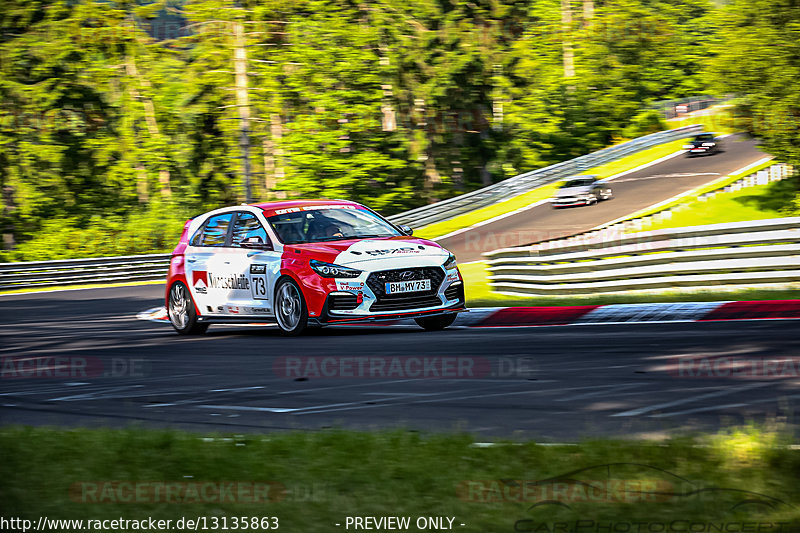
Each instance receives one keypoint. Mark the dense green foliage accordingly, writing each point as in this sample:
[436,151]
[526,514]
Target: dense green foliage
[761,62]
[109,106]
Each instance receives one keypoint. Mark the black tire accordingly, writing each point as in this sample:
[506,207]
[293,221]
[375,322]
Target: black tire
[435,323]
[291,312]
[181,311]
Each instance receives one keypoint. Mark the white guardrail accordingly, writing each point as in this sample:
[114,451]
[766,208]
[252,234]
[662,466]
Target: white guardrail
[446,209]
[757,253]
[120,269]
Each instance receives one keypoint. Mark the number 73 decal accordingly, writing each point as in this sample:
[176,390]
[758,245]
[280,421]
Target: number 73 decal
[258,282]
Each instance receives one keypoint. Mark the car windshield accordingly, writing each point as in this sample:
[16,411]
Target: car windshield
[576,183]
[705,137]
[309,224]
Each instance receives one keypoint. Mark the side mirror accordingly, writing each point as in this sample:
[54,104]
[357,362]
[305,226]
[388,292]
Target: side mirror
[406,229]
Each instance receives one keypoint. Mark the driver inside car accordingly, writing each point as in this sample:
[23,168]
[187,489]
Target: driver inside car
[325,230]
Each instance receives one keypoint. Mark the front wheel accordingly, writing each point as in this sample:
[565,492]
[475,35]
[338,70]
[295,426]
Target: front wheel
[290,308]
[435,323]
[182,314]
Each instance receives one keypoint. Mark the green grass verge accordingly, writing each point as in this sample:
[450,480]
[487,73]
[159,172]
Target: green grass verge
[742,205]
[330,475]
[479,294]
[544,192]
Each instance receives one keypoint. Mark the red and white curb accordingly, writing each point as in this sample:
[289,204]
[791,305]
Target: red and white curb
[156,314]
[599,314]
[634,313]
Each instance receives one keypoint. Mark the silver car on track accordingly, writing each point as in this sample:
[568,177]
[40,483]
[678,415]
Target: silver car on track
[581,190]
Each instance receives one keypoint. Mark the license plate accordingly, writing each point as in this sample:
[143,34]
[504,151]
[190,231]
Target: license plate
[417,285]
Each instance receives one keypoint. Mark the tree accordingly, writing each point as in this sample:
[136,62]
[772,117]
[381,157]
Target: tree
[761,62]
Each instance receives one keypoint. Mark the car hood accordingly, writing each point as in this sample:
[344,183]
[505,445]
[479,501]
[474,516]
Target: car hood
[376,253]
[572,191]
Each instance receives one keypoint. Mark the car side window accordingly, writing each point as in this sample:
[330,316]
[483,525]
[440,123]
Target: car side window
[247,228]
[198,236]
[216,230]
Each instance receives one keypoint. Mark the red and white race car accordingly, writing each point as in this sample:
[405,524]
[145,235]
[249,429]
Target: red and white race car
[307,263]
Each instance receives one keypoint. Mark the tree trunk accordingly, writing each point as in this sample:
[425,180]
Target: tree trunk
[141,184]
[273,157]
[150,119]
[9,242]
[566,26]
[432,176]
[243,105]
[588,12]
[389,122]
[486,177]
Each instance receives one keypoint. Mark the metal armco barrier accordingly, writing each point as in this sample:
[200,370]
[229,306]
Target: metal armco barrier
[42,274]
[446,209]
[122,269]
[753,254]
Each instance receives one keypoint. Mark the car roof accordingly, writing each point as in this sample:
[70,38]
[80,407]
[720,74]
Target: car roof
[270,208]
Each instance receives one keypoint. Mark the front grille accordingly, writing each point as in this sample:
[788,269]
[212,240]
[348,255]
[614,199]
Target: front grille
[410,300]
[342,302]
[406,302]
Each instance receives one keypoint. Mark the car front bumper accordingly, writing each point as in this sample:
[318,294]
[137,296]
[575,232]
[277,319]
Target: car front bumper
[365,305]
[570,202]
[700,151]
[330,320]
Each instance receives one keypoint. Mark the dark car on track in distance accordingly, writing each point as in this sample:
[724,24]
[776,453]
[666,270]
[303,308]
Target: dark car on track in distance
[703,144]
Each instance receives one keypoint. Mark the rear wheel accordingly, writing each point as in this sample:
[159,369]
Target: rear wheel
[182,314]
[291,312]
[435,323]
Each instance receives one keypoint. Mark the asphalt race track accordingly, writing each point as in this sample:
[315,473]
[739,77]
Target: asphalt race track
[81,358]
[546,383]
[632,192]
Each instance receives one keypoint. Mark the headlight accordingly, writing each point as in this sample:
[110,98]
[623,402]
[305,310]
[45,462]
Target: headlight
[688,146]
[450,263]
[329,270]
[709,144]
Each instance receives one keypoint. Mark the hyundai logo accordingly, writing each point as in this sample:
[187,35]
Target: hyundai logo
[407,275]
